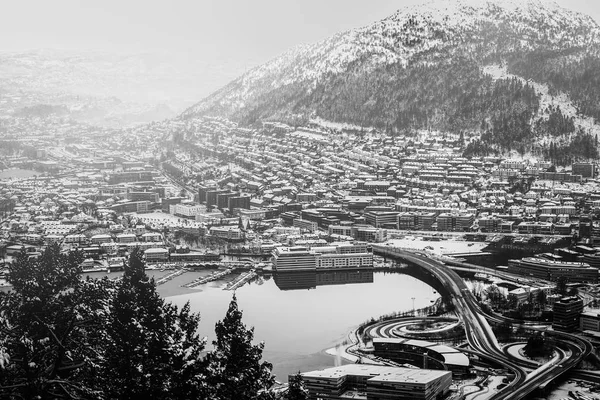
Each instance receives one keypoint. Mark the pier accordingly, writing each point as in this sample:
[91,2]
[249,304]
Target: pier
[201,281]
[170,276]
[241,280]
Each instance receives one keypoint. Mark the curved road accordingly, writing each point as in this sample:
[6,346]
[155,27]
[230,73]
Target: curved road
[481,337]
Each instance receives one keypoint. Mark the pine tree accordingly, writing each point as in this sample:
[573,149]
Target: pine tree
[234,367]
[153,350]
[297,390]
[50,328]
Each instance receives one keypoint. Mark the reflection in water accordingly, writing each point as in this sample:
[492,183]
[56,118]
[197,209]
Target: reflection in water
[294,280]
[297,325]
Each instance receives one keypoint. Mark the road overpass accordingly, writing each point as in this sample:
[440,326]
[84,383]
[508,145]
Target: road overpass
[480,335]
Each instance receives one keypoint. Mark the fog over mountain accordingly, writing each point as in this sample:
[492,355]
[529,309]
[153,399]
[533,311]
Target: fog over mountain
[105,88]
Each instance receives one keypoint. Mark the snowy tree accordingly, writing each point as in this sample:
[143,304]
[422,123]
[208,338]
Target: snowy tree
[153,349]
[297,390]
[49,324]
[234,368]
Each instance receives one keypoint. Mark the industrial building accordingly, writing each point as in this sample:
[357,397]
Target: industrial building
[360,381]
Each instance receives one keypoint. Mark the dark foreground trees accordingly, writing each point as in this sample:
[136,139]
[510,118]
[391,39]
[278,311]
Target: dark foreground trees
[297,390]
[51,326]
[234,367]
[65,337]
[152,349]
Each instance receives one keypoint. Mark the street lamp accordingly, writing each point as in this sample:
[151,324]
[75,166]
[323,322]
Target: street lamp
[413,299]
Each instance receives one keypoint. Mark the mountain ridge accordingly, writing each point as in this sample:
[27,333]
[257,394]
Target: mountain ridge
[411,70]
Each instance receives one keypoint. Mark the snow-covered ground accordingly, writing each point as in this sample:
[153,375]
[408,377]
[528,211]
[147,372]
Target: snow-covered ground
[165,219]
[562,391]
[443,247]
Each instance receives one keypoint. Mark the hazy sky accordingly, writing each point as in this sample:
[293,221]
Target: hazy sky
[225,35]
[242,31]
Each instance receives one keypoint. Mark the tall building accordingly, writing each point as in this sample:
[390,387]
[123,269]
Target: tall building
[566,314]
[203,190]
[223,199]
[376,382]
[211,196]
[238,201]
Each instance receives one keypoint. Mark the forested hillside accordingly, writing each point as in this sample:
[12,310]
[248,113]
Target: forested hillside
[425,68]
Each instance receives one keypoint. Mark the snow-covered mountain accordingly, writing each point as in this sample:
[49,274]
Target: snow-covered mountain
[423,67]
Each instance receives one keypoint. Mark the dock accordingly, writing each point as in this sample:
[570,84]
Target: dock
[170,276]
[241,280]
[213,277]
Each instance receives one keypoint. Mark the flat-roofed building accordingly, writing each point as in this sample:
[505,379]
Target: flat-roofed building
[252,214]
[152,237]
[131,206]
[566,314]
[130,176]
[143,196]
[345,255]
[590,321]
[227,232]
[294,258]
[586,170]
[76,238]
[100,238]
[344,230]
[185,210]
[308,225]
[376,382]
[156,254]
[552,270]
[126,238]
[380,218]
[238,201]
[369,234]
[342,255]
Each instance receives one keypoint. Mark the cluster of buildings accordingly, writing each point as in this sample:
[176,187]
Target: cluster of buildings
[315,198]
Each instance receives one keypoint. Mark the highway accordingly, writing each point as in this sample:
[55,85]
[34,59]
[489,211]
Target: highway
[481,337]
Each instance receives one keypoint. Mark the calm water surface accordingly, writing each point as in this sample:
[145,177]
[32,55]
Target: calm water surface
[298,325]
